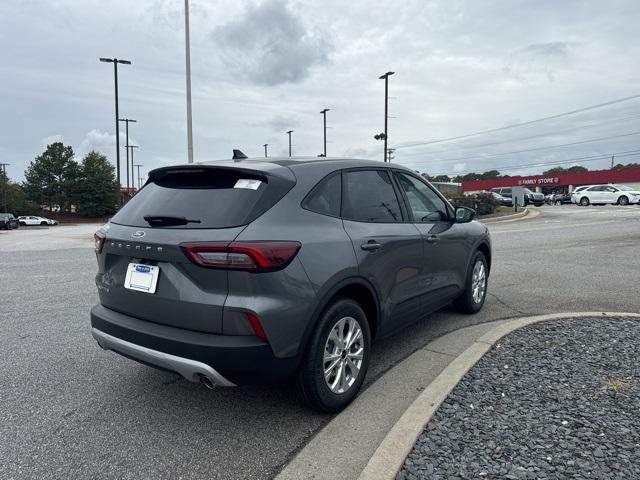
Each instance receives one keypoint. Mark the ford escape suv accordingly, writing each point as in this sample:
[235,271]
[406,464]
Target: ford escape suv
[259,270]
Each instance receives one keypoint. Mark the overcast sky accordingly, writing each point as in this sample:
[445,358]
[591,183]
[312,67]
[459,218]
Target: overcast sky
[261,68]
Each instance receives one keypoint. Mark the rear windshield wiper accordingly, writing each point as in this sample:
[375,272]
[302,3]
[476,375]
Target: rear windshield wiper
[167,220]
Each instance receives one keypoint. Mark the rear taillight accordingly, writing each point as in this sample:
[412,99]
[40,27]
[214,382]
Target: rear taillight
[251,256]
[98,238]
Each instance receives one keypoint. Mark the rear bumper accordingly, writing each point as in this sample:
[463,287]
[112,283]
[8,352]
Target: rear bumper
[228,360]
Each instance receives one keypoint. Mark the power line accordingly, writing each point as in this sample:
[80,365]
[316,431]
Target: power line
[531,137]
[592,158]
[516,125]
[492,155]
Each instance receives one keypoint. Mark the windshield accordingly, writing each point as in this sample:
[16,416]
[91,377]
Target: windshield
[624,188]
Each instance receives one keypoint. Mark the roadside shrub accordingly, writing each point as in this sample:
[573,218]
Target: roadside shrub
[482,203]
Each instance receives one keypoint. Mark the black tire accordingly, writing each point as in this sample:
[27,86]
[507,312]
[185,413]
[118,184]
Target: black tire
[584,201]
[311,379]
[623,200]
[43,223]
[466,303]
[23,224]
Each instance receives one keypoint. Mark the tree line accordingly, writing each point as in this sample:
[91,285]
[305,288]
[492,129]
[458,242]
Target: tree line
[55,181]
[492,174]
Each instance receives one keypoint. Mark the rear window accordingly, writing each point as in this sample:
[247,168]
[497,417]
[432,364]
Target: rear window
[326,196]
[208,197]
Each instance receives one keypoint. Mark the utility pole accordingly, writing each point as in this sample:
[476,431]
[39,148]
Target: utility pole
[385,77]
[612,160]
[126,121]
[115,62]
[5,184]
[390,155]
[132,147]
[265,149]
[324,115]
[289,133]
[138,165]
[188,71]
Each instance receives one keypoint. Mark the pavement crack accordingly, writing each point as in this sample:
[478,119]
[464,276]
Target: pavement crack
[502,302]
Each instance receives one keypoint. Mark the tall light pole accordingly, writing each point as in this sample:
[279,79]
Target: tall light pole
[289,133]
[138,165]
[5,184]
[385,77]
[132,147]
[324,115]
[126,121]
[265,150]
[188,70]
[115,62]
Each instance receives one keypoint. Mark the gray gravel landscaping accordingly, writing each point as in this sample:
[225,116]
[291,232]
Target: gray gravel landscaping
[559,399]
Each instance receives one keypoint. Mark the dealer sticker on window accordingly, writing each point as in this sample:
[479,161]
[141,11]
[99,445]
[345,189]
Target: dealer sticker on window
[248,184]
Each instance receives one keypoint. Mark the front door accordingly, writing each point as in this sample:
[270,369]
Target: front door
[445,251]
[389,249]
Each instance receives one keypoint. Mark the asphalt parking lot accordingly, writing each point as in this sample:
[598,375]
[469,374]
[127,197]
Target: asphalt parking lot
[70,410]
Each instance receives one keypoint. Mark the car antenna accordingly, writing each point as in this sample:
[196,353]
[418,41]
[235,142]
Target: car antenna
[238,155]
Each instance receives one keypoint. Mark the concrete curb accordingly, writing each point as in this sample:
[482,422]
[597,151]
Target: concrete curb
[510,218]
[390,455]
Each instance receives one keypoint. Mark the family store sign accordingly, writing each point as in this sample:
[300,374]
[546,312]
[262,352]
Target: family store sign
[538,181]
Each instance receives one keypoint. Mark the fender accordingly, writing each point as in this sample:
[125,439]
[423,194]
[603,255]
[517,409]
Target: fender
[327,297]
[482,242]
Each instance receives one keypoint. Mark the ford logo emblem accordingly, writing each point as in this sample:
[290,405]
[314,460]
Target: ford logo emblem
[138,234]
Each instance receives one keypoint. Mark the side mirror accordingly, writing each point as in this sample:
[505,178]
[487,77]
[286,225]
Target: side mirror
[465,214]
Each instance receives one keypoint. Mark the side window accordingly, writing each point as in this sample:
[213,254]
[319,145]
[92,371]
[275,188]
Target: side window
[424,203]
[595,189]
[326,196]
[369,197]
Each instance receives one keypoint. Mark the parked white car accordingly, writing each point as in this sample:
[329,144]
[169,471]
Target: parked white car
[602,194]
[33,220]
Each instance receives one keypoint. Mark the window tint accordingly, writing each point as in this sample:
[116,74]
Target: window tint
[595,189]
[326,196]
[215,198]
[424,203]
[369,197]
[506,190]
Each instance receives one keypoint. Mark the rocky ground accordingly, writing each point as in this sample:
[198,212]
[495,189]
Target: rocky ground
[554,400]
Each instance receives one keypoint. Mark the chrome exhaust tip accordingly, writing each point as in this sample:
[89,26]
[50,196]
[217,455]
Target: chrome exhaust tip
[208,382]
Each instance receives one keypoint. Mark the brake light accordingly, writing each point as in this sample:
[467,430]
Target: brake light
[98,239]
[251,256]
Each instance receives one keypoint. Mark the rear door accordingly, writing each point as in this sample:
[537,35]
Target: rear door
[388,248]
[445,250]
[182,206]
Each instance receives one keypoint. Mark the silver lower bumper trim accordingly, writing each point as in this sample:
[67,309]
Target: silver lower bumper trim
[189,369]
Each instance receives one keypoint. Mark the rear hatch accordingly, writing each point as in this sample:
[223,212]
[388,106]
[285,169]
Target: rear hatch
[208,204]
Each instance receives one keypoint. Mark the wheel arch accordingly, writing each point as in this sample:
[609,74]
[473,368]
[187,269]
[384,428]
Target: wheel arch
[356,288]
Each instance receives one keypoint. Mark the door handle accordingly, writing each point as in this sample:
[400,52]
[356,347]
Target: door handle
[370,246]
[432,239]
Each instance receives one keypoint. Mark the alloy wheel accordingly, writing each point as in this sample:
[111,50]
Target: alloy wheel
[343,355]
[478,281]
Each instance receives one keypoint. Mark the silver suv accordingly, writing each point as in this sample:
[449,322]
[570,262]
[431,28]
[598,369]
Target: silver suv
[236,272]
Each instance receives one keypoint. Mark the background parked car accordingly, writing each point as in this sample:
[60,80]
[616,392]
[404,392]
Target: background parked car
[504,201]
[575,198]
[8,221]
[561,198]
[33,220]
[603,194]
[530,198]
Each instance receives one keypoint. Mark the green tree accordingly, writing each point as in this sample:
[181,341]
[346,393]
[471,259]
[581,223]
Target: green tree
[441,178]
[628,165]
[97,186]
[52,177]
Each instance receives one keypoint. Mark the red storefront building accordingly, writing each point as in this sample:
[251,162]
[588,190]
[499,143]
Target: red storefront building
[559,183]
